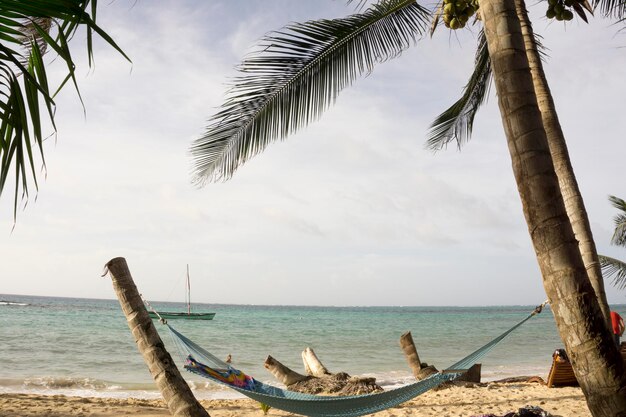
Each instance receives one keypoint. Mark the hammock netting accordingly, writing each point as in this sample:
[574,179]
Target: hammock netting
[201,362]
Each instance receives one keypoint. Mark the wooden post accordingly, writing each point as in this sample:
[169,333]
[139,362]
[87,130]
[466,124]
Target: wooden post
[176,393]
[472,374]
[420,370]
[410,353]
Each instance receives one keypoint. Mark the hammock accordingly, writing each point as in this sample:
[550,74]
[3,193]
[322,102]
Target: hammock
[205,364]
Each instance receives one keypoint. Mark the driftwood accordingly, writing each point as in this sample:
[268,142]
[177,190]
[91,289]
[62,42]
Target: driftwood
[339,384]
[422,370]
[517,379]
[472,374]
[283,373]
[318,379]
[312,364]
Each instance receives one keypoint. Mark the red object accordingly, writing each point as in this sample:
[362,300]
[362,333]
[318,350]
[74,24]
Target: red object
[616,319]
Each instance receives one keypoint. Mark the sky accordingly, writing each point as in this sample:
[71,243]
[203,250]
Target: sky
[352,210]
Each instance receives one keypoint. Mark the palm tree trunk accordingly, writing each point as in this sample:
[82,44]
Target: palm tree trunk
[574,303]
[574,204]
[175,391]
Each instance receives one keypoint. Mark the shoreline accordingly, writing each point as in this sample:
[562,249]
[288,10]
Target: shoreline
[202,389]
[496,398]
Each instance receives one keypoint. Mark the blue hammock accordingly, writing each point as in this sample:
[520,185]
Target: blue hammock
[205,364]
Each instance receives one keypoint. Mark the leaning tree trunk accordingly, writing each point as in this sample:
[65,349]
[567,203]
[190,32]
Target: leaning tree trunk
[574,204]
[574,304]
[420,370]
[175,391]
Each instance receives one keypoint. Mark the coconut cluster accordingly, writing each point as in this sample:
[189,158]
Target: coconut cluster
[456,13]
[561,9]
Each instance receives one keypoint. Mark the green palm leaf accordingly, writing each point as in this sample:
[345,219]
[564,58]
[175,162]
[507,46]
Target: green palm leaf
[619,235]
[25,36]
[612,267]
[615,268]
[611,8]
[297,75]
[457,121]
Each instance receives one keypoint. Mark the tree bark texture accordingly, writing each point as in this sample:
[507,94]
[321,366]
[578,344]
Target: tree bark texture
[176,393]
[574,303]
[312,364]
[574,204]
[283,373]
[420,370]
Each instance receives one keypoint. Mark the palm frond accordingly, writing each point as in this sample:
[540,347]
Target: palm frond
[360,3]
[296,76]
[25,35]
[31,32]
[611,8]
[614,268]
[457,121]
[619,235]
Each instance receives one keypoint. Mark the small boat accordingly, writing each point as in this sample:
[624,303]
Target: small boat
[167,315]
[188,315]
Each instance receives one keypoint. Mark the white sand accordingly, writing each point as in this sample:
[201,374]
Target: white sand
[495,398]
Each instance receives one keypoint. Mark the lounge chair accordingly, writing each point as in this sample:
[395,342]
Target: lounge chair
[561,373]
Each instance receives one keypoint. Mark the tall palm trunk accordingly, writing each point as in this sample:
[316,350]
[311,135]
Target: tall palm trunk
[175,391]
[574,304]
[574,204]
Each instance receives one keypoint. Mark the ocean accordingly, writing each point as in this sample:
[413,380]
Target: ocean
[83,347]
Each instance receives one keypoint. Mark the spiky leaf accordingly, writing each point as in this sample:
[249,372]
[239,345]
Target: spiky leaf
[456,123]
[614,268]
[296,76]
[25,36]
[619,235]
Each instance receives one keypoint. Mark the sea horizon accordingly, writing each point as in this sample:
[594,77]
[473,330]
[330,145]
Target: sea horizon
[281,305]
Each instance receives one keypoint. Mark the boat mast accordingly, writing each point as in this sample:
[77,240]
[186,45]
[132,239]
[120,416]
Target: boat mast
[188,293]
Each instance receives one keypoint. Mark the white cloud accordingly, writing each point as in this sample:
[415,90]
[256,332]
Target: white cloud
[351,210]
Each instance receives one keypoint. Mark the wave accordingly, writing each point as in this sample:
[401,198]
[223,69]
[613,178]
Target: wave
[67,383]
[12,303]
[90,387]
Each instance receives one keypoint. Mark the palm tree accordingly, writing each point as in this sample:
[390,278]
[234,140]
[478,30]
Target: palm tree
[610,266]
[574,204]
[302,69]
[579,319]
[455,124]
[29,29]
[176,393]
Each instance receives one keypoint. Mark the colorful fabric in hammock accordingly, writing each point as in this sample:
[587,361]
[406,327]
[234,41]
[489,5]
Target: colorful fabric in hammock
[230,376]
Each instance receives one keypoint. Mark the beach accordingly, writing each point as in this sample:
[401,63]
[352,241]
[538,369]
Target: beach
[491,398]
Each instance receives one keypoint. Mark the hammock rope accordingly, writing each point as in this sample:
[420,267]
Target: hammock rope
[161,319]
[201,362]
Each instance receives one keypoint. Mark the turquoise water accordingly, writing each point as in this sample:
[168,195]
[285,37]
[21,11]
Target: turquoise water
[83,347]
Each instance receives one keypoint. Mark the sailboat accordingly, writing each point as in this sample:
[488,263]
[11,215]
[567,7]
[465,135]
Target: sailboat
[189,315]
